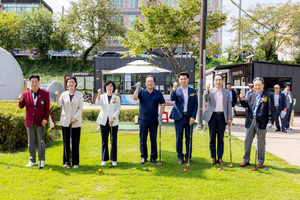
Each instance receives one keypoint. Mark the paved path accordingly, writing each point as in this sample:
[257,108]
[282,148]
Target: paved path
[283,145]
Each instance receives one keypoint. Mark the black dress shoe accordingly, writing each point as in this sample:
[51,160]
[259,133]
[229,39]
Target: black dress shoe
[277,130]
[143,161]
[180,161]
[153,161]
[284,131]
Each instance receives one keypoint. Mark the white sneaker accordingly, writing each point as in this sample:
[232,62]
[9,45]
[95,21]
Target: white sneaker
[30,164]
[103,163]
[75,166]
[114,163]
[65,165]
[42,163]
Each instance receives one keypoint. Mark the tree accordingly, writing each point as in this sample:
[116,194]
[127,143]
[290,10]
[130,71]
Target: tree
[9,25]
[36,28]
[270,19]
[93,21]
[164,29]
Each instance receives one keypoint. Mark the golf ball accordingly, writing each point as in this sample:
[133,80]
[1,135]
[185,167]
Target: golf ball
[266,169]
[146,169]
[69,167]
[50,169]
[219,169]
[185,170]
[254,169]
[100,170]
[7,167]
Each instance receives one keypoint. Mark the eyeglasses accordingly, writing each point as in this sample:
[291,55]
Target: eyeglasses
[149,82]
[218,79]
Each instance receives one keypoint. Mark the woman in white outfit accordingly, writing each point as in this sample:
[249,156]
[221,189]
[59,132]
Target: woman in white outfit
[70,120]
[108,119]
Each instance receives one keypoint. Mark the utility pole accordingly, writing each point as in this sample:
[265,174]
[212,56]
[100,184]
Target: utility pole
[239,33]
[202,58]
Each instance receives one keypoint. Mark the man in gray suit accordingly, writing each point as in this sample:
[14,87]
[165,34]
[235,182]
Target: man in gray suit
[289,106]
[218,113]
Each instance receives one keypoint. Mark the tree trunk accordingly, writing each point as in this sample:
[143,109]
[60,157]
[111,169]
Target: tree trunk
[86,53]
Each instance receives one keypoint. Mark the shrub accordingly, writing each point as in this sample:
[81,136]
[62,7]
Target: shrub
[125,115]
[13,135]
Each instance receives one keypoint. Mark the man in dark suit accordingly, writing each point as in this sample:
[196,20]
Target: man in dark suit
[184,113]
[259,117]
[37,102]
[289,106]
[233,98]
[279,105]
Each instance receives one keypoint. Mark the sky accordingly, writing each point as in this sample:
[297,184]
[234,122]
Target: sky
[228,5]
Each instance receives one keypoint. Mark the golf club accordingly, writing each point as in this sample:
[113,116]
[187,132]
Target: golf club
[111,147]
[40,149]
[159,163]
[229,131]
[70,151]
[190,145]
[256,152]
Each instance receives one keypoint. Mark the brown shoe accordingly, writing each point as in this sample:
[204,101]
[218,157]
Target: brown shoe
[221,162]
[213,161]
[244,164]
[260,165]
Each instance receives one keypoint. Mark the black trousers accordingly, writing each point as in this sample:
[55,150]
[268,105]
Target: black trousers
[144,127]
[75,145]
[105,131]
[276,115]
[216,125]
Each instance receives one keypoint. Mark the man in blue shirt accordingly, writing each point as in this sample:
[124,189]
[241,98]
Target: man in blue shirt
[149,118]
[279,106]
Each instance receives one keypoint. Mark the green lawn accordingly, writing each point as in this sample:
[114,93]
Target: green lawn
[129,180]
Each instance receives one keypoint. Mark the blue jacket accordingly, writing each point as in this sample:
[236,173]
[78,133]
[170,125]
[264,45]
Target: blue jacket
[178,97]
[282,104]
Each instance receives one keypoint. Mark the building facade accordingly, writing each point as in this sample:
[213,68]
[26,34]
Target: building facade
[18,6]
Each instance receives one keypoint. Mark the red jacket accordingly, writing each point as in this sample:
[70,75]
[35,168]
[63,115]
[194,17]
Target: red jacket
[40,111]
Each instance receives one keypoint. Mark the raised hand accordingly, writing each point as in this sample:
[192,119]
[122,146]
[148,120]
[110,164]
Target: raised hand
[242,95]
[57,94]
[99,91]
[21,97]
[138,85]
[207,87]
[175,85]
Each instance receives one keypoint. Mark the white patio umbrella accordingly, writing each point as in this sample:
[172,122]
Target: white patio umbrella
[139,67]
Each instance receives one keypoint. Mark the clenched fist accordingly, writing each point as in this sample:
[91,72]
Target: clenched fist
[21,97]
[99,91]
[57,94]
[175,85]
[207,87]
[242,95]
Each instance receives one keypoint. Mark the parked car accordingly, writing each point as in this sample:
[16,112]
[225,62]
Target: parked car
[185,54]
[110,54]
[238,109]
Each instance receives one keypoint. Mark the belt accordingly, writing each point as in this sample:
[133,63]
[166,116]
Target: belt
[254,117]
[276,106]
[184,113]
[219,113]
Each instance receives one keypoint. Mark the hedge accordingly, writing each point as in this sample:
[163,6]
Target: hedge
[13,135]
[125,115]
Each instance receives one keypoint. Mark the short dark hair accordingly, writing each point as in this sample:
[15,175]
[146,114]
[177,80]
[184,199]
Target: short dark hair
[72,77]
[259,79]
[183,74]
[110,82]
[150,76]
[229,84]
[220,75]
[287,85]
[34,76]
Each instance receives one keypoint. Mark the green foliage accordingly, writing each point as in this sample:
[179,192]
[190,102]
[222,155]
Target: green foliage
[93,21]
[54,69]
[165,28]
[9,25]
[124,116]
[36,28]
[13,135]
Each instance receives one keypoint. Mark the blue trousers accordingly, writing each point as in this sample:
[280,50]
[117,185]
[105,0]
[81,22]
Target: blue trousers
[287,117]
[144,127]
[216,125]
[276,115]
[180,125]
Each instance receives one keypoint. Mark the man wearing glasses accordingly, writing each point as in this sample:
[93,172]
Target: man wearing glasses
[149,117]
[218,113]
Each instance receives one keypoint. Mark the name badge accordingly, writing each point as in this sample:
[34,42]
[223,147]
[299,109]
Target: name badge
[42,102]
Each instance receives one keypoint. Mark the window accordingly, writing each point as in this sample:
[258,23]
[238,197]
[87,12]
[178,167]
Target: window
[20,7]
[209,4]
[208,40]
[133,4]
[119,3]
[131,19]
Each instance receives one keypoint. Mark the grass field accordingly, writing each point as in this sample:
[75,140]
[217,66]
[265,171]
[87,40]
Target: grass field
[129,180]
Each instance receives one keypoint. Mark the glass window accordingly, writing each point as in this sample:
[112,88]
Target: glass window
[209,4]
[112,41]
[80,82]
[131,19]
[133,4]
[89,82]
[119,3]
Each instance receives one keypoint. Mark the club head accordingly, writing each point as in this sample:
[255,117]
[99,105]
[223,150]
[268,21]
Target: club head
[159,163]
[254,169]
[39,167]
[69,167]
[187,164]
[230,165]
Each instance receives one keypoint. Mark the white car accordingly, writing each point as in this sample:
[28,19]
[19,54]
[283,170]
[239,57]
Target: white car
[185,54]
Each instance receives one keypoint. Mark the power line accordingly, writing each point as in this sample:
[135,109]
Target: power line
[263,24]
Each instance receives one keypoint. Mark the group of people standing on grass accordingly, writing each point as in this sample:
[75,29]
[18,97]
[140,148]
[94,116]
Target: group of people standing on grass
[218,113]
